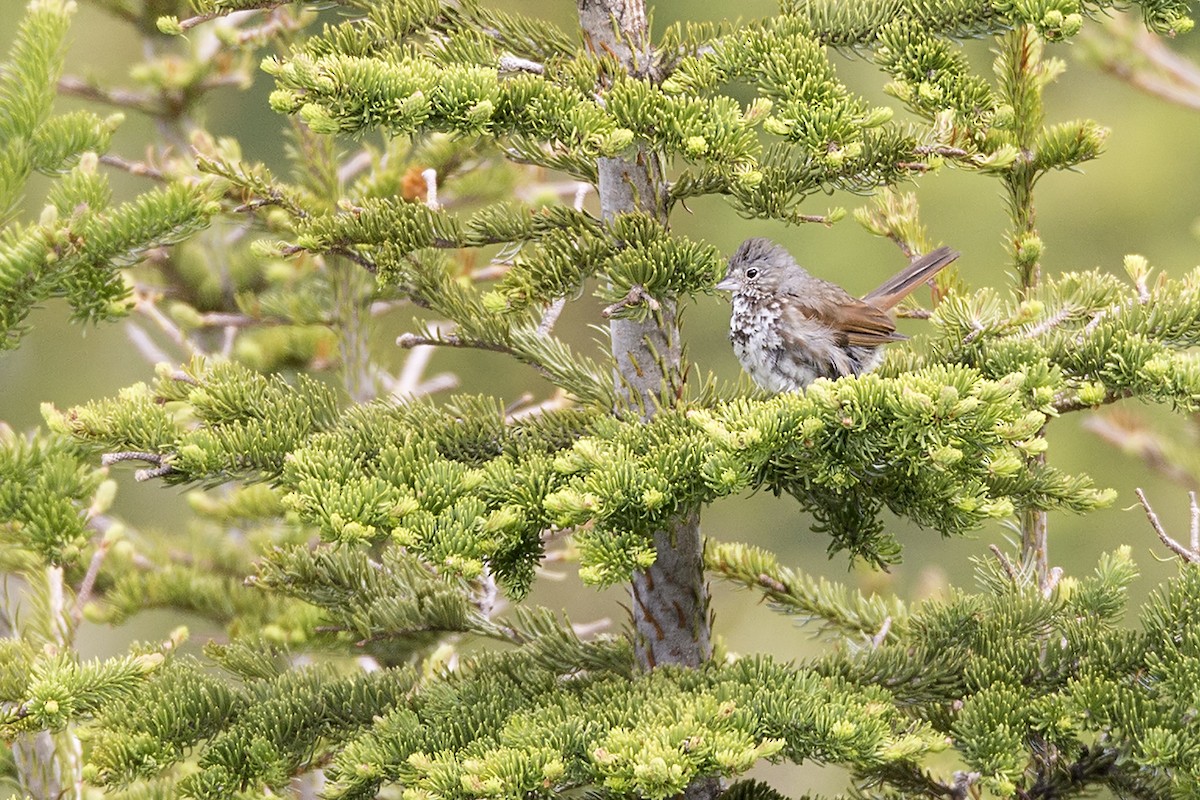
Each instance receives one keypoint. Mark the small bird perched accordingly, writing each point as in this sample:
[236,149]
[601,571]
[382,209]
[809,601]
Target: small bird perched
[789,328]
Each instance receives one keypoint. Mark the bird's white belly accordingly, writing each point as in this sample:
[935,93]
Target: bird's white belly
[789,364]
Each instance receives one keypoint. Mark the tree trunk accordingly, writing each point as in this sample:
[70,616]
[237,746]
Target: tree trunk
[670,599]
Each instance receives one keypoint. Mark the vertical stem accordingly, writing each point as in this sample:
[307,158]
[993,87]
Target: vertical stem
[1022,82]
[350,287]
[1021,85]
[39,773]
[349,284]
[669,599]
[49,766]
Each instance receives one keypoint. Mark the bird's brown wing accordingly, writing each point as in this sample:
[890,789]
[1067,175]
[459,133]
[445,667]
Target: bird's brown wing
[852,321]
[900,285]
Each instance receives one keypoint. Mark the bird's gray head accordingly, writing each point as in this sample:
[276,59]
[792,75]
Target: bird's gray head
[756,264]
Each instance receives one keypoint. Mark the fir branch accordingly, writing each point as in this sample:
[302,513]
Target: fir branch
[397,601]
[61,690]
[91,244]
[33,65]
[796,593]
[424,512]
[718,723]
[1094,339]
[620,486]
[131,744]
[288,727]
[45,518]
[527,37]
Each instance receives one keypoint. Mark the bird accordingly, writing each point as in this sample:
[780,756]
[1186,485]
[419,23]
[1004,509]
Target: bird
[789,328]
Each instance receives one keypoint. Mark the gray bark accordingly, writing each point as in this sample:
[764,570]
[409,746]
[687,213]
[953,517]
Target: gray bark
[670,599]
[39,769]
[646,352]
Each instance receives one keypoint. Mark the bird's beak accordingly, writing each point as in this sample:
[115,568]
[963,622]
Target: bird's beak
[728,284]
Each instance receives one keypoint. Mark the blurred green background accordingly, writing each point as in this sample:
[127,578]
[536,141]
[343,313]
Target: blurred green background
[1142,196]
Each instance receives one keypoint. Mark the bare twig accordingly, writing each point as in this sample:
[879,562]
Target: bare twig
[535,191]
[1143,290]
[410,340]
[102,524]
[108,459]
[145,345]
[551,316]
[147,304]
[1092,324]
[1052,579]
[1165,73]
[1195,527]
[511,63]
[380,308]
[1191,556]
[1009,569]
[414,368]
[771,583]
[525,399]
[487,597]
[586,630]
[904,246]
[220,319]
[121,98]
[276,23]
[581,192]
[358,163]
[820,219]
[491,272]
[182,377]
[1069,401]
[879,638]
[228,339]
[1131,435]
[442,382]
[138,168]
[411,382]
[431,188]
[345,252]
[150,474]
[191,22]
[961,789]
[523,411]
[163,467]
[941,150]
[636,296]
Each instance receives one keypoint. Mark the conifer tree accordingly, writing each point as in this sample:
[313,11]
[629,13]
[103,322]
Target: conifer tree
[358,536]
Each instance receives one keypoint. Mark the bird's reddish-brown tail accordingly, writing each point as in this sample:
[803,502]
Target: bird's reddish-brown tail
[906,280]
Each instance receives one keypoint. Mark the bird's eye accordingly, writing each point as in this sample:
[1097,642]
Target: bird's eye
[752,272]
